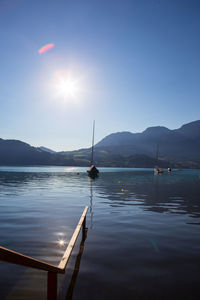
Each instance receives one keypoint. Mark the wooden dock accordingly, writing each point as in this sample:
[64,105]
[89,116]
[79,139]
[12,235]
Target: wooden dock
[13,257]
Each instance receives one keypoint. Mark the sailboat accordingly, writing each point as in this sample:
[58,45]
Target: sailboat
[157,170]
[93,171]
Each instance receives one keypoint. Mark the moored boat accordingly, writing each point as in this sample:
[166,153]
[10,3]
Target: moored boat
[158,170]
[92,171]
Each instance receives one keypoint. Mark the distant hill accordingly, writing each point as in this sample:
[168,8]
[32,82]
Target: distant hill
[176,148]
[15,152]
[47,149]
[181,144]
[20,153]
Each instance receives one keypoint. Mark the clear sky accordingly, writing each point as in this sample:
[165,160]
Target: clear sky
[127,64]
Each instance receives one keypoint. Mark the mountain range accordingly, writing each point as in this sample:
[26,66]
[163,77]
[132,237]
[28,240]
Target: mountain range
[155,145]
[182,143]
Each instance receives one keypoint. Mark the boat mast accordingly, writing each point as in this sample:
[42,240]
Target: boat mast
[157,151]
[93,143]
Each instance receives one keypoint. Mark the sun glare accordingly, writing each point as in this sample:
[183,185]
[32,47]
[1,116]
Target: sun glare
[61,243]
[66,86]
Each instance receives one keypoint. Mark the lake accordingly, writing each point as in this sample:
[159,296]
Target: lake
[143,238]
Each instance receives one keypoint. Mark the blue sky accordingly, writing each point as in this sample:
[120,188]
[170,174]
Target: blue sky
[136,64]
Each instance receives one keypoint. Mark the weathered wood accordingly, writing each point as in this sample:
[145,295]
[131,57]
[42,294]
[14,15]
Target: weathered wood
[27,261]
[66,256]
[10,256]
[70,290]
[52,286]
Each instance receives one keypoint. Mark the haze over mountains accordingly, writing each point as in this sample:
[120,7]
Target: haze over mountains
[179,148]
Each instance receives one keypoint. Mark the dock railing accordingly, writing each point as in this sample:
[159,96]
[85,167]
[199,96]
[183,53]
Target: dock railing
[13,257]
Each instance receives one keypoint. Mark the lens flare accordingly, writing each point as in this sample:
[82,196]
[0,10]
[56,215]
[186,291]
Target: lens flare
[46,48]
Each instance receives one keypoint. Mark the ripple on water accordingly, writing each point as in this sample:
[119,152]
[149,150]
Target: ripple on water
[142,232]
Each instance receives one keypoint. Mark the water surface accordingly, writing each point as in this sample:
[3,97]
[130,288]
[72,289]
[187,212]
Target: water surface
[143,239]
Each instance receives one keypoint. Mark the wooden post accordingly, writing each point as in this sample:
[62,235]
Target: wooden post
[66,256]
[84,227]
[27,261]
[52,286]
[10,256]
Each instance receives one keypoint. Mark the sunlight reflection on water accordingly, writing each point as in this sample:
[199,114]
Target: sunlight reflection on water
[141,226]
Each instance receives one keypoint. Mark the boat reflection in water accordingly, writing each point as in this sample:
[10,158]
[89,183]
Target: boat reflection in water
[143,227]
[68,294]
[91,202]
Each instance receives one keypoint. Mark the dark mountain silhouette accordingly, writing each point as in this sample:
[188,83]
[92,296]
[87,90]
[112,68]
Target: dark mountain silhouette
[18,153]
[174,145]
[14,152]
[176,148]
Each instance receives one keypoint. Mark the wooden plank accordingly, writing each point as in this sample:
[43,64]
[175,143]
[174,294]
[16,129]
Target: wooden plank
[66,256]
[14,257]
[27,261]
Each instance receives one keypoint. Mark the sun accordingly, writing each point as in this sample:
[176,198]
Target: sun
[66,86]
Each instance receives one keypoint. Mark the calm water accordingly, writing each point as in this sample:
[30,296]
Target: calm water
[143,239]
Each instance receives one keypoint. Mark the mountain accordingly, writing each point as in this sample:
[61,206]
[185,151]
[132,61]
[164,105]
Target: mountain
[20,153]
[176,148]
[15,152]
[181,144]
[190,130]
[47,149]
